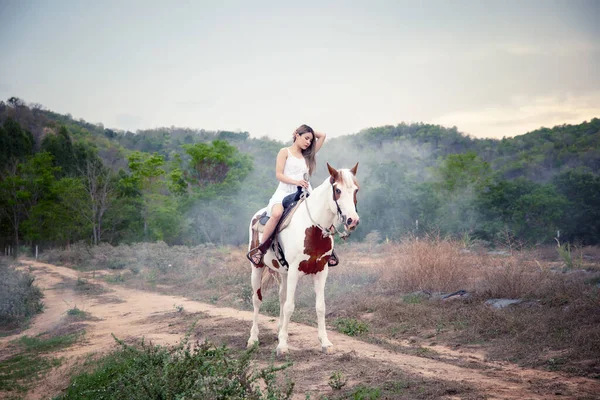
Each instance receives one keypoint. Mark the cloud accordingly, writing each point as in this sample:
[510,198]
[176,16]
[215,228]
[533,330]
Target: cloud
[524,114]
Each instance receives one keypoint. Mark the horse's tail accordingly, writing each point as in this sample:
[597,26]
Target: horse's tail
[268,278]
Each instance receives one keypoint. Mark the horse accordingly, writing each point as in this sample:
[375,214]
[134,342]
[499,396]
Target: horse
[307,243]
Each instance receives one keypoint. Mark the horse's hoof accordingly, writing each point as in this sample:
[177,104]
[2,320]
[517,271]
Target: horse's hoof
[281,351]
[327,349]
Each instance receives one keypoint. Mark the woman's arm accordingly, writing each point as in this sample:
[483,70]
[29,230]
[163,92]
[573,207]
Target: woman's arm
[320,137]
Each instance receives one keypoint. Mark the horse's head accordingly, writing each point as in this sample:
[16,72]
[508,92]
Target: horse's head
[345,187]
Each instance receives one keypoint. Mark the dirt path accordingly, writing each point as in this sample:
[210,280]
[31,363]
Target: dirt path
[129,313]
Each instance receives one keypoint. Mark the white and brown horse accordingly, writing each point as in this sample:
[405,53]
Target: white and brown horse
[307,244]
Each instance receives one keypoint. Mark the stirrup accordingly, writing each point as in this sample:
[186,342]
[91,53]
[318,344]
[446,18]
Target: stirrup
[333,260]
[253,253]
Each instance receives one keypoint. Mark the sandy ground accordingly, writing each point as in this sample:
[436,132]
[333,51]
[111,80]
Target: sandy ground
[129,314]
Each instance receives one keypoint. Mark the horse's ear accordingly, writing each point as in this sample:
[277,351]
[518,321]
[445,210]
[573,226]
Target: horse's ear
[333,172]
[354,169]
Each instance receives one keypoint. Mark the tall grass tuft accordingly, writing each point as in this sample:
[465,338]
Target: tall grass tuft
[428,264]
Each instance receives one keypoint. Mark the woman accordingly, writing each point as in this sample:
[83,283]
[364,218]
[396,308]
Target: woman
[293,164]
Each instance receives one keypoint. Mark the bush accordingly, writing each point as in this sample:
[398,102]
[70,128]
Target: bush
[19,297]
[201,371]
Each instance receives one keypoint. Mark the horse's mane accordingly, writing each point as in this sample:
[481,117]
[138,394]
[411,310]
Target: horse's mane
[347,178]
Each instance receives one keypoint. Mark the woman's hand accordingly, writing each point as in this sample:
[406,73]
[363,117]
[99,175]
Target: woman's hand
[302,183]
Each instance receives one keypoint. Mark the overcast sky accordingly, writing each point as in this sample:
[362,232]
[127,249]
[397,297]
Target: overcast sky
[490,68]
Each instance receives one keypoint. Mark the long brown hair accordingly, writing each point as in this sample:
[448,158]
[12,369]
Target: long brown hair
[309,154]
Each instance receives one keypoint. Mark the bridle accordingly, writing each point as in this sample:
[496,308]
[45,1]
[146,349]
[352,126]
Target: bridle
[328,232]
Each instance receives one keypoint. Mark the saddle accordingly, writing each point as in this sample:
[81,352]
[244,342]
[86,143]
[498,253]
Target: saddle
[290,205]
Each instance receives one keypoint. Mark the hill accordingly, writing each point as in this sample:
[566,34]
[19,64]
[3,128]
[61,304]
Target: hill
[415,178]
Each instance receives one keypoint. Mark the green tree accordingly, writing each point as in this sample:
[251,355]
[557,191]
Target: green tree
[146,173]
[458,180]
[15,143]
[581,221]
[22,187]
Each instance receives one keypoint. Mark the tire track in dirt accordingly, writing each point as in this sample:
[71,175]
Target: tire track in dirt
[128,313]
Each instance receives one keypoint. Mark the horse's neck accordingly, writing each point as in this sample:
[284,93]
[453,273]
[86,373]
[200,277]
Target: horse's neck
[319,206]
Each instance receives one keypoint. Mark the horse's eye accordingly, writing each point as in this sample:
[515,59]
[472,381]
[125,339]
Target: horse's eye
[338,191]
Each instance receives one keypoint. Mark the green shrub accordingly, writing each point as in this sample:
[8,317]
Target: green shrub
[201,371]
[351,326]
[116,264]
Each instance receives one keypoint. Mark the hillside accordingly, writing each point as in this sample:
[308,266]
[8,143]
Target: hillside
[529,186]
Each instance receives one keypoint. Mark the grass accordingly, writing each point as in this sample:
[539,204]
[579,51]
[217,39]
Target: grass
[398,294]
[201,370]
[30,361]
[78,314]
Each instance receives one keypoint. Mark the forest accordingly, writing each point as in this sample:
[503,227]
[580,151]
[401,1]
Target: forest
[64,181]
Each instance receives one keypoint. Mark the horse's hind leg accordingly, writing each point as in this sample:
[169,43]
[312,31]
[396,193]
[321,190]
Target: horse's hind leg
[319,282]
[256,302]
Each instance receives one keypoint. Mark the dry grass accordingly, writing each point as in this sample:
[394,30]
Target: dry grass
[393,289]
[430,264]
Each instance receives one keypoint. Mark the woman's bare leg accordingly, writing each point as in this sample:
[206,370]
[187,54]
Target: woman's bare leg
[276,213]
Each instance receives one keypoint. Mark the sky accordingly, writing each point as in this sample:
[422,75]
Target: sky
[490,68]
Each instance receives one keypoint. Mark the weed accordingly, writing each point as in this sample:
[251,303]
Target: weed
[351,326]
[337,380]
[178,307]
[117,278]
[365,393]
[77,313]
[564,251]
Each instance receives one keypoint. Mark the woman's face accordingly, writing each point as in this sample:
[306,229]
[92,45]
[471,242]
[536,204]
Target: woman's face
[304,140]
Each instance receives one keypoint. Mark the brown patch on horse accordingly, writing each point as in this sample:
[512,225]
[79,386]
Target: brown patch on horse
[275,264]
[255,242]
[259,294]
[315,245]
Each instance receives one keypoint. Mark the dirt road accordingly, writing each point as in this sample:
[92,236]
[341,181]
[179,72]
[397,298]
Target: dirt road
[129,313]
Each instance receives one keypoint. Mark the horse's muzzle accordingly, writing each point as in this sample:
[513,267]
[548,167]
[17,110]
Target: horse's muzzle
[351,224]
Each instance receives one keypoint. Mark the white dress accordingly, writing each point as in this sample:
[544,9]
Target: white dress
[294,168]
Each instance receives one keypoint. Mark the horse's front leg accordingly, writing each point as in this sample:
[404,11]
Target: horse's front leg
[288,309]
[282,299]
[256,302]
[319,282]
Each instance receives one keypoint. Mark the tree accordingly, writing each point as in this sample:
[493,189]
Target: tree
[22,187]
[581,221]
[146,171]
[15,142]
[60,146]
[90,195]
